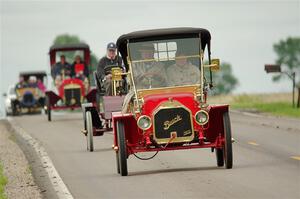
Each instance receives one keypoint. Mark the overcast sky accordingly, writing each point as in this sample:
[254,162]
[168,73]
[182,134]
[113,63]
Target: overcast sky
[243,32]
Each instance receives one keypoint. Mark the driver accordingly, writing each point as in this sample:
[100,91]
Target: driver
[103,71]
[149,73]
[61,70]
[182,72]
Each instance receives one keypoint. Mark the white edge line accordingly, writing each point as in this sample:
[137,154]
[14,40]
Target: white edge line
[59,186]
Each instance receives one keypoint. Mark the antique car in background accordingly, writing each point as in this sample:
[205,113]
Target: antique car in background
[166,107]
[105,106]
[28,95]
[71,91]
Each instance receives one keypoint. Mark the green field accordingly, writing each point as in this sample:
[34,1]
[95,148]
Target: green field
[278,104]
[274,108]
[3,182]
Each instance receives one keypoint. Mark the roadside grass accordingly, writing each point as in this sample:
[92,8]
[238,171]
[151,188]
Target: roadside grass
[3,182]
[278,104]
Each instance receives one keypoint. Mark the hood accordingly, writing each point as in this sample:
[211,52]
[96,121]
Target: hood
[152,102]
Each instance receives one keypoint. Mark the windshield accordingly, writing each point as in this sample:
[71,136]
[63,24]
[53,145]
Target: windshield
[165,63]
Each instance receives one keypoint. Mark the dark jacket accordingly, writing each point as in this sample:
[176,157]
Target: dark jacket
[58,67]
[104,62]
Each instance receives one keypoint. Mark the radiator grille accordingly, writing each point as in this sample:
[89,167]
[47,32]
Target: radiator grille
[168,121]
[72,96]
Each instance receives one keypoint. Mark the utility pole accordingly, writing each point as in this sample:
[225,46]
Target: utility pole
[276,68]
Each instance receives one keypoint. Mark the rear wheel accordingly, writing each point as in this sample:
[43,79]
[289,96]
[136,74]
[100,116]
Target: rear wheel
[122,152]
[89,128]
[227,149]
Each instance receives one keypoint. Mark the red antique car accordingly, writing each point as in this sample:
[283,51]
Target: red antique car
[71,88]
[166,107]
[101,113]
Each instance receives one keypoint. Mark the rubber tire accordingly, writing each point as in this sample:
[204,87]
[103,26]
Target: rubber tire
[227,150]
[89,128]
[14,110]
[49,114]
[219,157]
[122,152]
[48,109]
[118,162]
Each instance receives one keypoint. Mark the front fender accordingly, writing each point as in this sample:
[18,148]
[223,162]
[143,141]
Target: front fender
[132,132]
[215,124]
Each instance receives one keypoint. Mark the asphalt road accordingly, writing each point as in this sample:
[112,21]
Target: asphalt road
[266,162]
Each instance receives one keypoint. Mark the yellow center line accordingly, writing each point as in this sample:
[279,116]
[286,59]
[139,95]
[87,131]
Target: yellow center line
[253,143]
[295,157]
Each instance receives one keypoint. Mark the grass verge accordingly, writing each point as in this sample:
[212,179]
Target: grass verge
[259,104]
[3,182]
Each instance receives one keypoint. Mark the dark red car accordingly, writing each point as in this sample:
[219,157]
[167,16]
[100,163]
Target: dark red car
[70,90]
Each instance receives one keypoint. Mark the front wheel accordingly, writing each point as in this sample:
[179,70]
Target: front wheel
[118,162]
[14,108]
[219,157]
[89,128]
[48,108]
[227,149]
[122,152]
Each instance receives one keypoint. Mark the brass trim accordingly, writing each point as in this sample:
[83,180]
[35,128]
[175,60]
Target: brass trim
[170,105]
[164,59]
[131,76]
[201,74]
[143,116]
[71,86]
[203,111]
[116,73]
[116,79]
[195,89]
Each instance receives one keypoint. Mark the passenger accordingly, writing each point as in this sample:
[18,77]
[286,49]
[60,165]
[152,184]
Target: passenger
[80,70]
[149,73]
[182,72]
[41,85]
[32,82]
[21,83]
[104,66]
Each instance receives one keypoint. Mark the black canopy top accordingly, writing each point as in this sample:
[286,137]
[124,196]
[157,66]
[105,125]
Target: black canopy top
[33,73]
[160,34]
[66,47]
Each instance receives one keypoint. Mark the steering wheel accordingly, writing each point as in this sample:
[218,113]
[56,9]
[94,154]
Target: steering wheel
[153,75]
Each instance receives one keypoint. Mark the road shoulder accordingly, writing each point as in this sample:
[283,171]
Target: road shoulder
[44,171]
[17,170]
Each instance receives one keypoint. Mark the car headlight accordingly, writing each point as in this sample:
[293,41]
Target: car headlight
[201,117]
[144,122]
